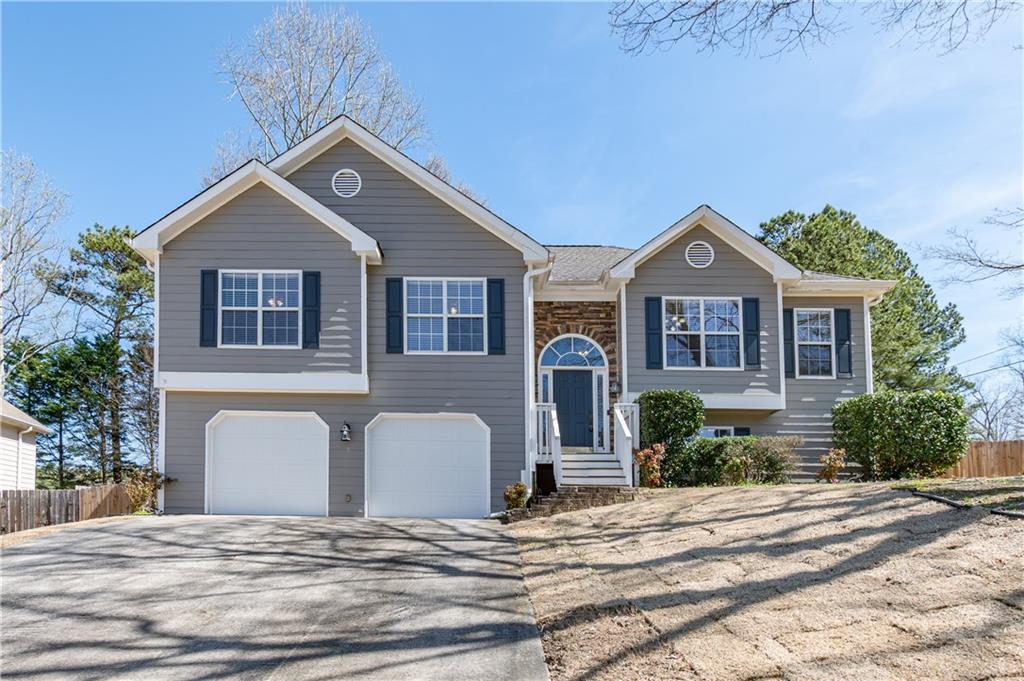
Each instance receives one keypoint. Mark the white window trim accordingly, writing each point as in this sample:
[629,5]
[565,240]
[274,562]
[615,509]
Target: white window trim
[600,418]
[259,309]
[731,429]
[703,346]
[797,342]
[444,315]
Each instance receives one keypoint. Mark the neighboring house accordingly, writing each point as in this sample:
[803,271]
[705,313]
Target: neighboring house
[340,332]
[18,433]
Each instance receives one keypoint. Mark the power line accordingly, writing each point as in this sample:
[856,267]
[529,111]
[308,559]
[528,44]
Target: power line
[991,352]
[985,371]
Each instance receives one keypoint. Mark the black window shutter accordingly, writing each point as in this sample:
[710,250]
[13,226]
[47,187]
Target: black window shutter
[393,293]
[495,316]
[652,331]
[311,309]
[741,432]
[787,338]
[752,332]
[844,345]
[208,308]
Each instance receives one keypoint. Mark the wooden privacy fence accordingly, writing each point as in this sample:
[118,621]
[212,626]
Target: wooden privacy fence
[986,459]
[24,509]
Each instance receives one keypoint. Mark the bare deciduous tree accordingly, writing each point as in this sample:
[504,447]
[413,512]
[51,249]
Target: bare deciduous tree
[745,25]
[995,410]
[970,263]
[30,208]
[439,168]
[301,69]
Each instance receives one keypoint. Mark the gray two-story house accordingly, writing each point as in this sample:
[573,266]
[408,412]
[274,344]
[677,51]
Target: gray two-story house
[339,332]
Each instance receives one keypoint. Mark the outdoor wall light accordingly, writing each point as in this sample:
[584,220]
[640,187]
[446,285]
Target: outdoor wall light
[346,432]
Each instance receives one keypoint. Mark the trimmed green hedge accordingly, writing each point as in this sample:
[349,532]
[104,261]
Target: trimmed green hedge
[896,435]
[731,461]
[669,417]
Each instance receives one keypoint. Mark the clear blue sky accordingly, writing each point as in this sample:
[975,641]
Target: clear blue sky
[535,106]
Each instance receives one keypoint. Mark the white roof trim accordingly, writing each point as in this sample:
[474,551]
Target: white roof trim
[874,288]
[779,268]
[151,240]
[344,127]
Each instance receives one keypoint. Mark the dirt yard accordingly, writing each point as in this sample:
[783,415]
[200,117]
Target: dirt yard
[795,582]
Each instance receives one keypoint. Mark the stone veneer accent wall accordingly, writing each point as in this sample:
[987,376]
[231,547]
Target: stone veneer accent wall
[593,319]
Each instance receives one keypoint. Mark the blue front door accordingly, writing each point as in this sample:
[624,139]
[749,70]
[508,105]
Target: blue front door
[574,398]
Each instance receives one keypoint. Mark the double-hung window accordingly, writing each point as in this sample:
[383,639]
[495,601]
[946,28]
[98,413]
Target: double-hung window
[445,315]
[815,343]
[702,333]
[259,308]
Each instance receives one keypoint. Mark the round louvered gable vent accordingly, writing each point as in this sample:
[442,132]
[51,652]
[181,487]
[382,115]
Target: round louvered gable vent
[700,254]
[346,183]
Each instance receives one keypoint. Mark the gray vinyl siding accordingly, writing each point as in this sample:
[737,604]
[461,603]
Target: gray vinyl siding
[419,236]
[260,229]
[732,274]
[809,402]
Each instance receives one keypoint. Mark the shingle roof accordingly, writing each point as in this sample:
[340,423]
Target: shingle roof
[584,263]
[11,414]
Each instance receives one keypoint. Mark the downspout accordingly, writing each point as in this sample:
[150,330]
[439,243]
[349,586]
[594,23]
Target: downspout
[528,369]
[17,471]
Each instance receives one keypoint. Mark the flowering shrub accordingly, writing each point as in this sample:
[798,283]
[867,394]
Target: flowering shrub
[733,461]
[515,496]
[649,462]
[832,464]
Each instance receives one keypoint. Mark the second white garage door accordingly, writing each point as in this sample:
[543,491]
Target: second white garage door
[266,463]
[428,466]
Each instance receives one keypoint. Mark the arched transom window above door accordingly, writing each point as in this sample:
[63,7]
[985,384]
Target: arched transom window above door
[572,351]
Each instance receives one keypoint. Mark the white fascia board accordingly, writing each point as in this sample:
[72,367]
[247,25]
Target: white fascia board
[151,241]
[732,401]
[344,127]
[723,228]
[225,381]
[874,288]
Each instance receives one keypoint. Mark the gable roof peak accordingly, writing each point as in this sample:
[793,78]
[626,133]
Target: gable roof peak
[344,127]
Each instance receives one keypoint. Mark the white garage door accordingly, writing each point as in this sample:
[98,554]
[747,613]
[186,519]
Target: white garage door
[428,466]
[267,463]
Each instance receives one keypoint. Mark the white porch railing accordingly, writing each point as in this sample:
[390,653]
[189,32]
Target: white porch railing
[627,436]
[549,438]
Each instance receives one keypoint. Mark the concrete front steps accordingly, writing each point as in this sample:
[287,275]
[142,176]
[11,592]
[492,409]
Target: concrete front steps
[572,498]
[584,468]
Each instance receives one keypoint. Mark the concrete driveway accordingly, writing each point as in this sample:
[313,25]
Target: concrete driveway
[197,597]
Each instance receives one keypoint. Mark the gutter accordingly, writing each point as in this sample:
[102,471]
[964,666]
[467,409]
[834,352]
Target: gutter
[528,368]
[17,473]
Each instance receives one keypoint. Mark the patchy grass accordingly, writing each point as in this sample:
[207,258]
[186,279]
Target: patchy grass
[1005,494]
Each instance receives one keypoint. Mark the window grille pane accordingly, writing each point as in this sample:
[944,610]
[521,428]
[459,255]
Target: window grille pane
[239,290]
[426,334]
[721,316]
[280,290]
[465,297]
[682,350]
[280,328]
[465,335]
[424,297]
[600,409]
[723,351]
[682,315]
[814,327]
[238,327]
[815,360]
